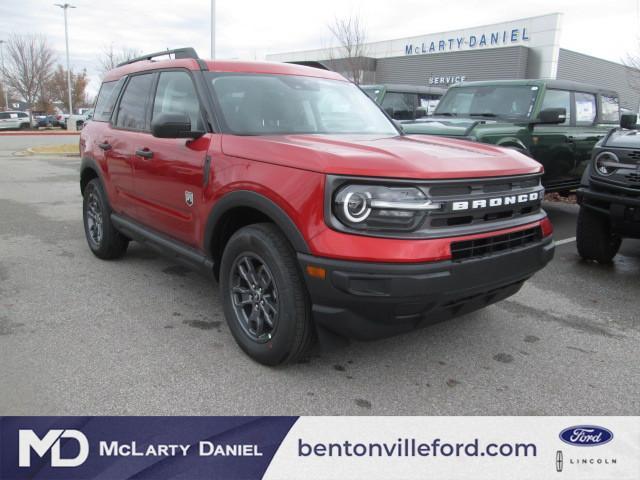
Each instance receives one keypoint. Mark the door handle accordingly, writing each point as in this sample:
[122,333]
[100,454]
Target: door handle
[144,152]
[105,146]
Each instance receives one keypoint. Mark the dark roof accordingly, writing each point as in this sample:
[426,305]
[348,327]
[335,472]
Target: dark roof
[396,87]
[550,83]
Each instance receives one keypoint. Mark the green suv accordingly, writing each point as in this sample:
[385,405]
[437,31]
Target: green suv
[556,122]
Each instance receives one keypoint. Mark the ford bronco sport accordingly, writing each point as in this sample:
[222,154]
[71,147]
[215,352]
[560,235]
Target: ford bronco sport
[300,195]
[527,115]
[610,194]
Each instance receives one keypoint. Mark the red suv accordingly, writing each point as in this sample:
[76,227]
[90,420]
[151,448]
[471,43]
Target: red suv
[302,197]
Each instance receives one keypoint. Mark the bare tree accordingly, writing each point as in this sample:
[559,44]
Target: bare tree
[57,87]
[351,36]
[28,63]
[110,57]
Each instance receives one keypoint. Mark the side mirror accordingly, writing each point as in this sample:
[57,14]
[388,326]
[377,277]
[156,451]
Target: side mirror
[628,121]
[552,116]
[173,125]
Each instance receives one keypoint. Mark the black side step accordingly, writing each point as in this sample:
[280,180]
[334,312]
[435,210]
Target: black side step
[167,246]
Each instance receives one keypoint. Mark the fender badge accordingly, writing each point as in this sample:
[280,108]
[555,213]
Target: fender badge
[188,198]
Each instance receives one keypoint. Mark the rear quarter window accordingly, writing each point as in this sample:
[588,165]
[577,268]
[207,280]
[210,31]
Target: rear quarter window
[106,100]
[610,109]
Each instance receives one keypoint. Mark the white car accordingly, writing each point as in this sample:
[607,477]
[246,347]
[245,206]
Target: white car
[13,120]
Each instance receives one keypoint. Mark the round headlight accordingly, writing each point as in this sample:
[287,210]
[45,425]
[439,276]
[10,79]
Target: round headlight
[606,163]
[356,206]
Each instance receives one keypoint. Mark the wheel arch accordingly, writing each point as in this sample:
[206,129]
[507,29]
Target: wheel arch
[239,209]
[89,170]
[515,143]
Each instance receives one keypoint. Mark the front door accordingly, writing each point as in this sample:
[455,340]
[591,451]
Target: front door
[169,172]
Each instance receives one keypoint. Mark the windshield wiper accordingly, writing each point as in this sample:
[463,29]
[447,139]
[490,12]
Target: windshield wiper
[485,114]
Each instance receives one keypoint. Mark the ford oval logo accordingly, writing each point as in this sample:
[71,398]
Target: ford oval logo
[586,436]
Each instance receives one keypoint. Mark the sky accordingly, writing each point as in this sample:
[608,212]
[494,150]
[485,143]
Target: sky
[248,29]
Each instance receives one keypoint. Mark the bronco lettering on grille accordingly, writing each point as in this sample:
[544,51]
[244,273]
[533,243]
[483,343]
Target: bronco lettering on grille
[495,202]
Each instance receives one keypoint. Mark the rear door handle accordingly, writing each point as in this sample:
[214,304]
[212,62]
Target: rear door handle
[144,152]
[105,146]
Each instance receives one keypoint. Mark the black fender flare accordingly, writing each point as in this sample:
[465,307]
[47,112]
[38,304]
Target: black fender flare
[89,163]
[515,143]
[250,199]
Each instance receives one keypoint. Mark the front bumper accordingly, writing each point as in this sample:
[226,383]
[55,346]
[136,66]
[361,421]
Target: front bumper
[374,300]
[620,204]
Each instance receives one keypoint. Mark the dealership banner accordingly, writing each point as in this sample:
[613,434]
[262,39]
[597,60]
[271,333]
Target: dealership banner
[434,448]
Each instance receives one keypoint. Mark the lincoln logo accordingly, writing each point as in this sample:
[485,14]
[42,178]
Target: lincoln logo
[496,201]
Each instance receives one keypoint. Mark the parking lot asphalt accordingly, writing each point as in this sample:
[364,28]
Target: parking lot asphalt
[145,336]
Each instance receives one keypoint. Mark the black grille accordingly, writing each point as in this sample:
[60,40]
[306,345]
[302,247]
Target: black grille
[482,247]
[635,154]
[633,177]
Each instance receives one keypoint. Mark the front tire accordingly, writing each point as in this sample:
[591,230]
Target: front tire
[104,240]
[594,238]
[265,301]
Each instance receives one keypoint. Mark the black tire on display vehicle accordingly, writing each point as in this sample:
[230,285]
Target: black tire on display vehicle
[104,240]
[594,237]
[265,301]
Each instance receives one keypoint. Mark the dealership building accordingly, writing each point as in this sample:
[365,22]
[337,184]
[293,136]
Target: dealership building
[524,48]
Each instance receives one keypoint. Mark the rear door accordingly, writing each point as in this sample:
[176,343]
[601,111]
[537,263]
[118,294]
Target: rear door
[170,178]
[131,128]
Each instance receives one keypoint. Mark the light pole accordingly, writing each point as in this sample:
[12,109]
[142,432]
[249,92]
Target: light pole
[213,29]
[66,39]
[4,83]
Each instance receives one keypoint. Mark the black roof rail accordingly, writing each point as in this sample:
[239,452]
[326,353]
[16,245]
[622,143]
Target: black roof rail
[178,53]
[311,63]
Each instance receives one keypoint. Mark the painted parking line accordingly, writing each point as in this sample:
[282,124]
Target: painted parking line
[565,240]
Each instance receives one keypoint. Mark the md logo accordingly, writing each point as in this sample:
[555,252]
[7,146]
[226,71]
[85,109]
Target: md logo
[28,441]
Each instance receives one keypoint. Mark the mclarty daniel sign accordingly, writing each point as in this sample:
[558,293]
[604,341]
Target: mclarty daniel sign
[495,38]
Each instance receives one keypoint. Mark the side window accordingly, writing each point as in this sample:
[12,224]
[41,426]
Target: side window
[22,115]
[107,100]
[610,109]
[585,108]
[4,115]
[558,99]
[428,102]
[132,111]
[399,105]
[177,94]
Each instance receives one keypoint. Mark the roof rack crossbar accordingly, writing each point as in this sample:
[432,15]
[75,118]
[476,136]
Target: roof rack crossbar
[179,53]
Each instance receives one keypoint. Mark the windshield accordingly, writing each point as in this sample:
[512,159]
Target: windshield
[505,101]
[285,104]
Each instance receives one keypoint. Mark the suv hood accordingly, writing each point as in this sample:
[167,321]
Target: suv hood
[624,139]
[416,157]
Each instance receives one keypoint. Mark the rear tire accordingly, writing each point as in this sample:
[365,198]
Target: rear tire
[594,238]
[104,240]
[266,304]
